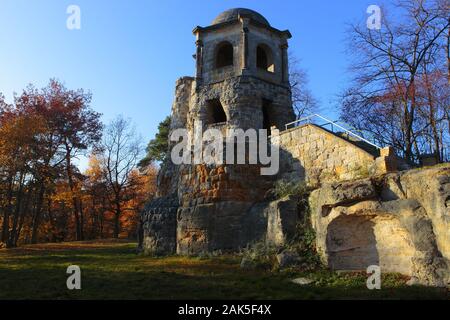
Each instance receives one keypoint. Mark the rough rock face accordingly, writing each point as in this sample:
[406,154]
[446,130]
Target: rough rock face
[210,227]
[217,209]
[282,219]
[273,222]
[229,220]
[214,205]
[377,222]
[159,217]
[431,188]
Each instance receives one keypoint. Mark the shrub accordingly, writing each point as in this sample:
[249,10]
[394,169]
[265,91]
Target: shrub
[283,188]
[259,255]
[361,172]
[262,255]
[304,240]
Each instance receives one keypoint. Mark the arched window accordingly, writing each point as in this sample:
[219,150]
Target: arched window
[264,58]
[215,112]
[224,55]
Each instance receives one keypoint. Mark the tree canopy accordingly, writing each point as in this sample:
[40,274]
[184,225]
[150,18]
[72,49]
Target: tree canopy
[158,147]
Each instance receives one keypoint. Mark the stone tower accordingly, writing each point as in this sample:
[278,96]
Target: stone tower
[242,77]
[241,81]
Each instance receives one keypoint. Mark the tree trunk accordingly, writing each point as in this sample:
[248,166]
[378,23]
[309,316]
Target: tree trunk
[432,117]
[7,211]
[448,55]
[117,220]
[22,216]
[37,215]
[80,210]
[409,119]
[11,240]
[102,216]
[140,233]
[78,222]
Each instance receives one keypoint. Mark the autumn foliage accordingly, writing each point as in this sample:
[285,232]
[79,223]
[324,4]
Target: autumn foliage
[43,195]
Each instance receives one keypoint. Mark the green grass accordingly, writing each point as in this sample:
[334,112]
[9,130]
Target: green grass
[113,270]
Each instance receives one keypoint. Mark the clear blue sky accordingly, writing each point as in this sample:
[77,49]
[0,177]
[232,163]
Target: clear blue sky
[130,53]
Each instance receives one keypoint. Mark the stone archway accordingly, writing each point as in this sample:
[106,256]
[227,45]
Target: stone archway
[224,55]
[264,58]
[215,112]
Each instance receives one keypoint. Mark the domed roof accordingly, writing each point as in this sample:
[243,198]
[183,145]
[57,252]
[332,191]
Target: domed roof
[233,14]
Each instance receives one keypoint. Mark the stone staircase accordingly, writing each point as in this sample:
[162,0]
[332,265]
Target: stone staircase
[343,133]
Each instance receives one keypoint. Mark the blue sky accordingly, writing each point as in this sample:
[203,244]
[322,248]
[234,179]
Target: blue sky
[130,53]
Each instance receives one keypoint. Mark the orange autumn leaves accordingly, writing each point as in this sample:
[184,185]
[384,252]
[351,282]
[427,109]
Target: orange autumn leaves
[43,194]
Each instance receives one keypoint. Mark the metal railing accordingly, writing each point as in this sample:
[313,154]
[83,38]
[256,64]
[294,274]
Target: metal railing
[333,124]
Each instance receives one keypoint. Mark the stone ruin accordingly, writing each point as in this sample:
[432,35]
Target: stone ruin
[363,209]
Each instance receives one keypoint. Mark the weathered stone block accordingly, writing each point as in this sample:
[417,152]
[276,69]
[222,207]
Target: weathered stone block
[159,226]
[396,225]
[282,219]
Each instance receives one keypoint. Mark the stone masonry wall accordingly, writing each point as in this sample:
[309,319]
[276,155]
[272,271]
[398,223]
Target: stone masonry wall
[242,100]
[313,154]
[233,35]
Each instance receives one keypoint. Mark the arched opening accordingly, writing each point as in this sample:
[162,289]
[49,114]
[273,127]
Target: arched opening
[264,58]
[224,55]
[215,112]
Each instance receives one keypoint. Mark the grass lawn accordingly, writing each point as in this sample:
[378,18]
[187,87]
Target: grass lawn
[113,270]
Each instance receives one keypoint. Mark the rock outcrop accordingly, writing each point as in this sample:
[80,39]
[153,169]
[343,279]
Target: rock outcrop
[282,218]
[399,222]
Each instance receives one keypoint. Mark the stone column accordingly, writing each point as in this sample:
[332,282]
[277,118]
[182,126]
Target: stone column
[199,59]
[284,64]
[244,51]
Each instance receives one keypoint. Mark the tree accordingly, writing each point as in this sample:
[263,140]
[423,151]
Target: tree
[119,153]
[42,131]
[303,100]
[390,91]
[79,127]
[72,128]
[158,147]
[18,145]
[97,197]
[43,195]
[143,189]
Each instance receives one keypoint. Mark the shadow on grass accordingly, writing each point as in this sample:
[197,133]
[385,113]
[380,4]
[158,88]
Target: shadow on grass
[118,273]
